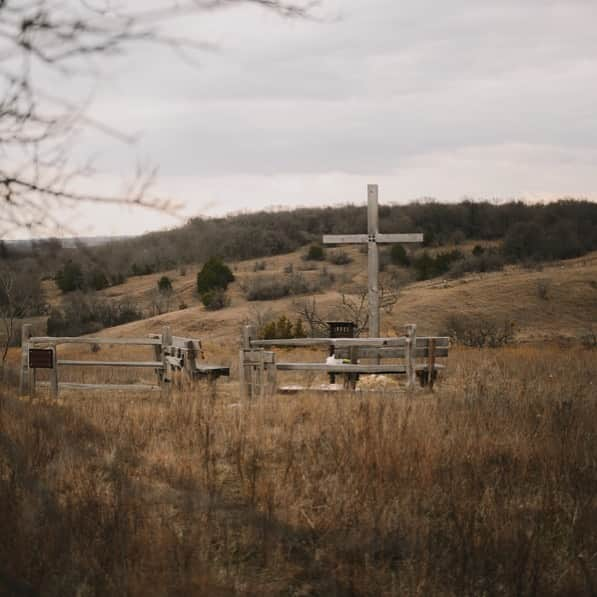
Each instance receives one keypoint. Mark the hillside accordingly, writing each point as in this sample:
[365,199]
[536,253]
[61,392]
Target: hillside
[568,309]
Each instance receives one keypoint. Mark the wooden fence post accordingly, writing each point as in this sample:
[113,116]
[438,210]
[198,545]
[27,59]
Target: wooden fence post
[24,378]
[272,375]
[431,364]
[247,378]
[54,373]
[261,374]
[166,344]
[411,351]
[242,383]
[157,353]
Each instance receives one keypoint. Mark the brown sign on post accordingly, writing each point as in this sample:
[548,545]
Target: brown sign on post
[41,358]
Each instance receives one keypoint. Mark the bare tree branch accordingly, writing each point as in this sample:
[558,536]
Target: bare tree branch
[38,172]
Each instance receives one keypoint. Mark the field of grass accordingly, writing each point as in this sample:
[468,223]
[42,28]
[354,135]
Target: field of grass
[486,487]
[566,309]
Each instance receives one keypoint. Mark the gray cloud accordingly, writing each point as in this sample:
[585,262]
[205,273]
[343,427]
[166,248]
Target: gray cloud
[382,88]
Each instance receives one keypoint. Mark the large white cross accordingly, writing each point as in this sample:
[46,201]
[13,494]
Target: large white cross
[373,238]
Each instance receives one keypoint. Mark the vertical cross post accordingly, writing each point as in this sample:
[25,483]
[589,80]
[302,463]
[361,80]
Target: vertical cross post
[373,259]
[373,238]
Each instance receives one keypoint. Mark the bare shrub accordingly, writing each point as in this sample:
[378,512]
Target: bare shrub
[259,266]
[486,261]
[589,339]
[268,288]
[479,331]
[339,257]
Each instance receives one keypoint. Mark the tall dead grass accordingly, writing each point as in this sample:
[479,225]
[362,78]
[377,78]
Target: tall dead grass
[485,488]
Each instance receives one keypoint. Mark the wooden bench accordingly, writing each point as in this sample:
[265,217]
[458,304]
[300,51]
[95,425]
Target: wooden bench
[177,360]
[258,367]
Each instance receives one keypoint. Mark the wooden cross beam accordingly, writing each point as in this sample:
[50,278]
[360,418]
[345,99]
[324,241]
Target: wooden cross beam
[373,238]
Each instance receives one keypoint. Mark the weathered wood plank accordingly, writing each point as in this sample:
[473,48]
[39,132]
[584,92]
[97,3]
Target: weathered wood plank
[186,343]
[338,342]
[148,364]
[324,388]
[213,369]
[440,341]
[373,259]
[387,353]
[253,356]
[399,238]
[54,374]
[104,340]
[350,368]
[347,368]
[88,386]
[342,239]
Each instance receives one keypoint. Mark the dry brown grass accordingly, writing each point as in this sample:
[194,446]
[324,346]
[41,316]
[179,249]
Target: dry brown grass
[568,312]
[485,488]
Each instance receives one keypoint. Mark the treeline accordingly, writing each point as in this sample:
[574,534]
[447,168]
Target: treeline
[558,230]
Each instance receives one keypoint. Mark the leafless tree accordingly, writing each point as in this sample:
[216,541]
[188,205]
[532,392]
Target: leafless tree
[307,310]
[39,176]
[353,305]
[20,295]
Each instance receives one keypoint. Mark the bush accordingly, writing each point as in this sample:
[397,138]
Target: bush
[479,331]
[532,241]
[339,258]
[70,277]
[97,280]
[399,256]
[214,274]
[489,261]
[142,270]
[165,284]
[82,314]
[427,266]
[116,279]
[216,299]
[478,250]
[283,328]
[259,266]
[269,288]
[315,253]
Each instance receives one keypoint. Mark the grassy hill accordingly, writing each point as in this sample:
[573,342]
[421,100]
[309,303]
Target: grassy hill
[557,301]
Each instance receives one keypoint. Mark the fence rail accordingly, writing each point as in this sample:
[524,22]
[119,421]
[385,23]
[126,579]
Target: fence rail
[175,359]
[258,367]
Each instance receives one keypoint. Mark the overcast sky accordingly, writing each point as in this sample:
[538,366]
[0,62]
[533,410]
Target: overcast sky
[468,98]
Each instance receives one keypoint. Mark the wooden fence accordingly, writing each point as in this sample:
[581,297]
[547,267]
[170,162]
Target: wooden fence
[176,359]
[258,367]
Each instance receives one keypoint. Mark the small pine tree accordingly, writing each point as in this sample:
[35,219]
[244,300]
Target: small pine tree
[315,253]
[97,280]
[299,331]
[70,277]
[214,274]
[399,256]
[165,285]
